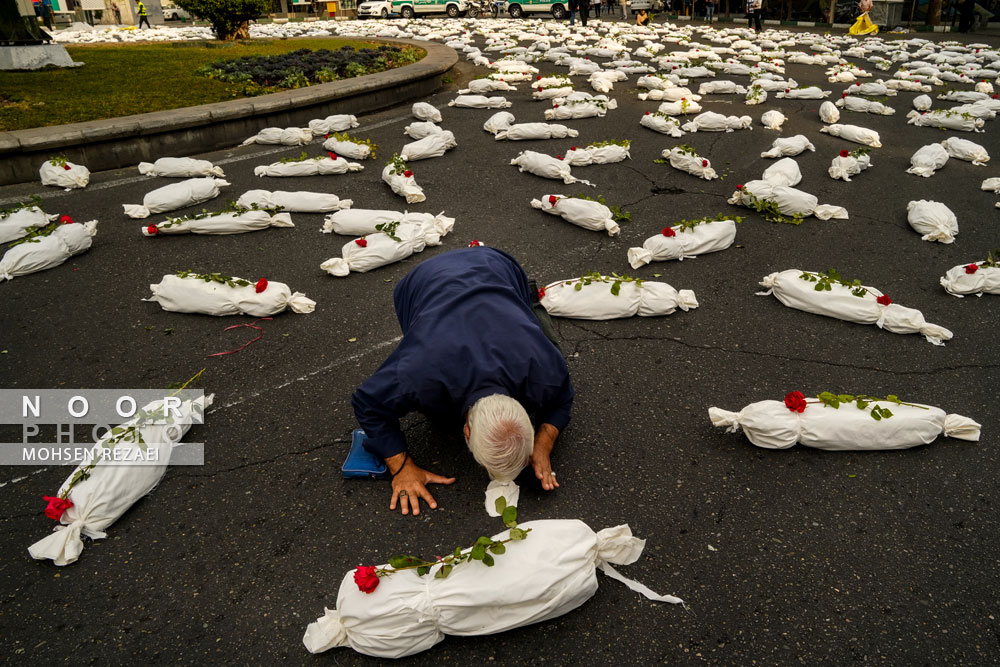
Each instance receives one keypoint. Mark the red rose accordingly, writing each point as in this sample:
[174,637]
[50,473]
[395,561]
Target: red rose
[261,285]
[669,231]
[539,89]
[332,156]
[65,220]
[56,507]
[795,401]
[152,230]
[361,242]
[704,163]
[474,244]
[541,293]
[843,95]
[739,187]
[844,153]
[539,78]
[883,300]
[67,167]
[572,148]
[552,200]
[366,579]
[326,136]
[858,83]
[555,106]
[683,99]
[787,91]
[407,173]
[971,268]
[559,157]
[647,113]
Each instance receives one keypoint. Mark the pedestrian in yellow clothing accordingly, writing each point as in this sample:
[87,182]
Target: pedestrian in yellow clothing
[143,18]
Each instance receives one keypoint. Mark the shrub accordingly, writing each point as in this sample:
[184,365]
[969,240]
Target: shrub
[230,19]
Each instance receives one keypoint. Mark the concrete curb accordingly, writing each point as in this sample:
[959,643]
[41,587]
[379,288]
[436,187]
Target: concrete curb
[126,141]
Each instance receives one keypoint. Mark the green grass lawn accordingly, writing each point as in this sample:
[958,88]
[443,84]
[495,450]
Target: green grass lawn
[125,79]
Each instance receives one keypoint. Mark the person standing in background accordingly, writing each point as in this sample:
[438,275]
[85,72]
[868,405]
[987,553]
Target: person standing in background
[117,12]
[709,10]
[143,18]
[753,13]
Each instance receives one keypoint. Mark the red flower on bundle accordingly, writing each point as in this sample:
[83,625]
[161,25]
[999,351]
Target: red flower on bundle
[541,293]
[683,99]
[65,220]
[858,83]
[539,89]
[361,242]
[539,78]
[326,136]
[647,113]
[474,244]
[739,187]
[883,300]
[572,148]
[332,156]
[67,167]
[407,173]
[559,157]
[669,231]
[844,153]
[787,90]
[261,285]
[152,230]
[366,578]
[555,106]
[552,200]
[56,507]
[704,163]
[971,268]
[795,401]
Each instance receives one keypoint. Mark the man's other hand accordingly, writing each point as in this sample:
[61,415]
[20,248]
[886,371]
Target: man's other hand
[410,484]
[545,439]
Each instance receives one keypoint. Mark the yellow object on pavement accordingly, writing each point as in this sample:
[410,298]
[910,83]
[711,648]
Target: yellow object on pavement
[863,26]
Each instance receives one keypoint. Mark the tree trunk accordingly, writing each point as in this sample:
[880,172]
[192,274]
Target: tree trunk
[229,34]
[727,9]
[934,12]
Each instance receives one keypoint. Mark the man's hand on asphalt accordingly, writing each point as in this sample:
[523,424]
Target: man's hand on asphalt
[545,440]
[410,484]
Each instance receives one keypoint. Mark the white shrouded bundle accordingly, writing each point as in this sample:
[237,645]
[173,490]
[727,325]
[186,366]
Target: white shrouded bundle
[71,176]
[908,86]
[789,146]
[840,302]
[47,252]
[113,486]
[690,162]
[336,123]
[655,82]
[679,108]
[379,249]
[176,195]
[991,185]
[545,166]
[722,87]
[192,294]
[604,82]
[581,66]
[932,219]
[549,574]
[829,113]
[483,86]
[403,185]
[347,148]
[871,89]
[861,105]
[922,102]
[592,215]
[294,202]
[844,167]
[927,160]
[498,122]
[552,92]
[855,133]
[963,149]
[945,120]
[811,93]
[230,222]
[974,278]
[434,145]
[480,102]
[755,95]
[320,166]
[531,131]
[289,136]
[17,224]
[773,120]
[701,239]
[772,425]
[716,122]
[579,109]
[662,123]
[607,154]
[362,221]
[180,167]
[423,128]
[515,77]
[596,300]
[425,111]
[547,81]
[783,172]
[675,94]
[789,200]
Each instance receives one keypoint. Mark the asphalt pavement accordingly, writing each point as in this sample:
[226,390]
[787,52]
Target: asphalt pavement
[783,557]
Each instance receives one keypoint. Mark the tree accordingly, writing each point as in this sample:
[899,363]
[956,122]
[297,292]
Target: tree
[934,12]
[230,19]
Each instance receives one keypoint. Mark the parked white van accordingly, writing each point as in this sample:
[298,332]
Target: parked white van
[519,8]
[410,8]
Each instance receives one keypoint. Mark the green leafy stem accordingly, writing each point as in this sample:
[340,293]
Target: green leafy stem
[389,229]
[33,200]
[689,225]
[770,211]
[36,235]
[483,550]
[230,207]
[624,143]
[398,165]
[616,212]
[343,136]
[825,282]
[215,278]
[878,413]
[615,279]
[58,161]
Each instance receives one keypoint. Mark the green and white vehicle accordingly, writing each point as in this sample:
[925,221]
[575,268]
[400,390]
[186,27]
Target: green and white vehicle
[410,8]
[520,8]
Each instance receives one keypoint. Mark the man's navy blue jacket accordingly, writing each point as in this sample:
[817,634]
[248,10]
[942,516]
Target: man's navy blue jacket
[468,332]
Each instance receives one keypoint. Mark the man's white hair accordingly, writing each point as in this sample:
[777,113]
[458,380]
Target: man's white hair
[501,438]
